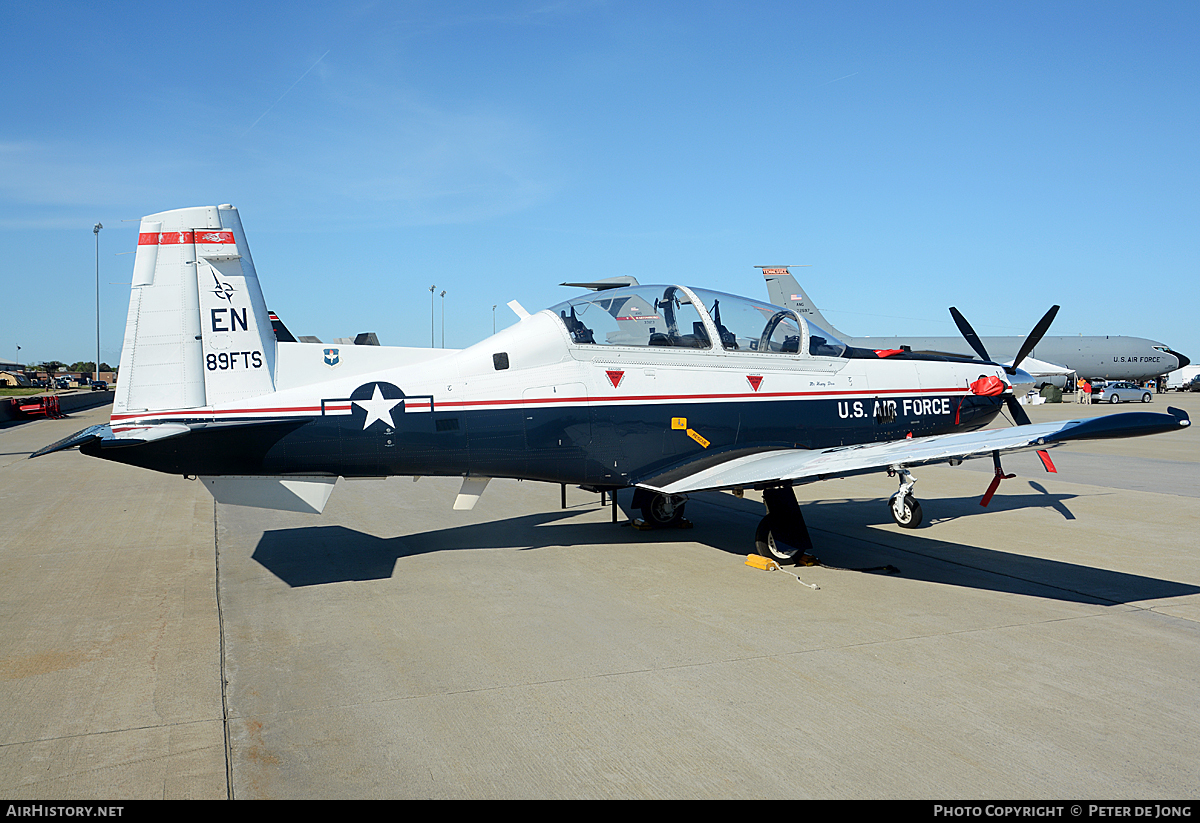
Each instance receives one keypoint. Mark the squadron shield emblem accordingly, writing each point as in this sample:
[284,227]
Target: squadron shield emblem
[332,358]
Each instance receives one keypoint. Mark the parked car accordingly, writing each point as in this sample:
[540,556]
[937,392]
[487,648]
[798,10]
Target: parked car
[99,385]
[1192,385]
[1121,392]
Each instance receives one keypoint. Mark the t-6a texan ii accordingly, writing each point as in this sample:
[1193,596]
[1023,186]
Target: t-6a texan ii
[666,389]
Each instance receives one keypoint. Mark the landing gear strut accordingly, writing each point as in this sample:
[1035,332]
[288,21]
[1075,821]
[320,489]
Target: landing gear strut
[659,510]
[782,535]
[905,509]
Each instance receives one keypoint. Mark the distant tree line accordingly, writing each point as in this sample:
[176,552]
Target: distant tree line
[57,365]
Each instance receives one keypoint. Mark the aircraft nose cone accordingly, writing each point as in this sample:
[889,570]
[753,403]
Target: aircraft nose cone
[1183,359]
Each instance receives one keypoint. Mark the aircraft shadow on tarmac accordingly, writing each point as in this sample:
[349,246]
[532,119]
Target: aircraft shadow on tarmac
[956,507]
[317,555]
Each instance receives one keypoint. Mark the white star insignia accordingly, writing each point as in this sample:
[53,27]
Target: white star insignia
[378,408]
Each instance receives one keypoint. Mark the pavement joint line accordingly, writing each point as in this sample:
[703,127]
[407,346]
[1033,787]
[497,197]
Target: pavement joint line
[1155,610]
[221,642]
[102,768]
[100,732]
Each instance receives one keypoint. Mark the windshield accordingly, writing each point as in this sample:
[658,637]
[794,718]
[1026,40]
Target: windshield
[750,326]
[823,343]
[636,316]
[665,316]
[747,325]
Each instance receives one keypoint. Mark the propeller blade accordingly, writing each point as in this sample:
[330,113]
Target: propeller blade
[969,333]
[1035,336]
[1016,410]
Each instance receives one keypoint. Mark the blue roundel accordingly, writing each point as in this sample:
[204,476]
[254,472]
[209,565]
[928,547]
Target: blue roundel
[377,402]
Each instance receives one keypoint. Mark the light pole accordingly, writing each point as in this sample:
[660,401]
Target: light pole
[431,314]
[96,231]
[443,318]
[493,318]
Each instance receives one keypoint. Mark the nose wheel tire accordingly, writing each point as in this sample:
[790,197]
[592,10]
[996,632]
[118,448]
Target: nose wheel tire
[906,511]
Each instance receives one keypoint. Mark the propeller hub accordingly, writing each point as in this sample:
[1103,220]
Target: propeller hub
[1021,381]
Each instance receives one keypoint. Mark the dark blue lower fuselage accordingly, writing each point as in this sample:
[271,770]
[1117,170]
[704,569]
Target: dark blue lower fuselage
[603,445]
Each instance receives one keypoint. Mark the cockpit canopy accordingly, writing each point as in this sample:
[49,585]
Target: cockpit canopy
[677,317]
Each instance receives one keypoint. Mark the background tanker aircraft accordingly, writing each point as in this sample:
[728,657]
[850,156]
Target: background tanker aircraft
[1106,357]
[666,389]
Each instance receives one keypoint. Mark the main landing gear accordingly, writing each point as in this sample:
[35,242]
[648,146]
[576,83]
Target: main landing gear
[905,509]
[664,510]
[782,535]
[660,511]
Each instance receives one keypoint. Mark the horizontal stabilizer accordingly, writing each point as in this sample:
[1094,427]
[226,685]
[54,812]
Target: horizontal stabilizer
[77,439]
[366,338]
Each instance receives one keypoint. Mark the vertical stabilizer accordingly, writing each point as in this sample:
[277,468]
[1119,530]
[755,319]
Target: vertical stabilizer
[783,290]
[197,332]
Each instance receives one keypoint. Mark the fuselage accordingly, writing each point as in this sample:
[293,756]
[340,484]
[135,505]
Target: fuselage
[1108,357]
[534,402]
[1105,357]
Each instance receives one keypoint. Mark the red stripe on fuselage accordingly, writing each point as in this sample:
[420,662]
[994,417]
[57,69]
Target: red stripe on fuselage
[459,404]
[676,398]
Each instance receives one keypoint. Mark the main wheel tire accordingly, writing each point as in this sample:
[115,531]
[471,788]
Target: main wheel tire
[767,546]
[909,516]
[1115,399]
[664,510]
[1146,397]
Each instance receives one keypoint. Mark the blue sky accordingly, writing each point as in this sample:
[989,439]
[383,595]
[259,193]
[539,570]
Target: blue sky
[999,157]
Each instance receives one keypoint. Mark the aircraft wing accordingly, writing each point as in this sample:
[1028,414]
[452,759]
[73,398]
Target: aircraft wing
[784,466]
[1041,368]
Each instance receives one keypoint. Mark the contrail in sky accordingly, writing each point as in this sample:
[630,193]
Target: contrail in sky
[285,94]
[823,84]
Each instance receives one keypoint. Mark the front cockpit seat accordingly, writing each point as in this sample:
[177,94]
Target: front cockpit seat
[579,332]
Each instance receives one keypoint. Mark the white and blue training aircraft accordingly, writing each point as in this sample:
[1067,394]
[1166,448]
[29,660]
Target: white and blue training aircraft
[667,389]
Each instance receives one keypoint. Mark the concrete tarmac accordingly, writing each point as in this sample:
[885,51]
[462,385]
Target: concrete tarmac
[157,645]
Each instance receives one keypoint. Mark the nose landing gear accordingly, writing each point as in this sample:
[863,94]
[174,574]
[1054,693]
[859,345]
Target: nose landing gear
[905,508]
